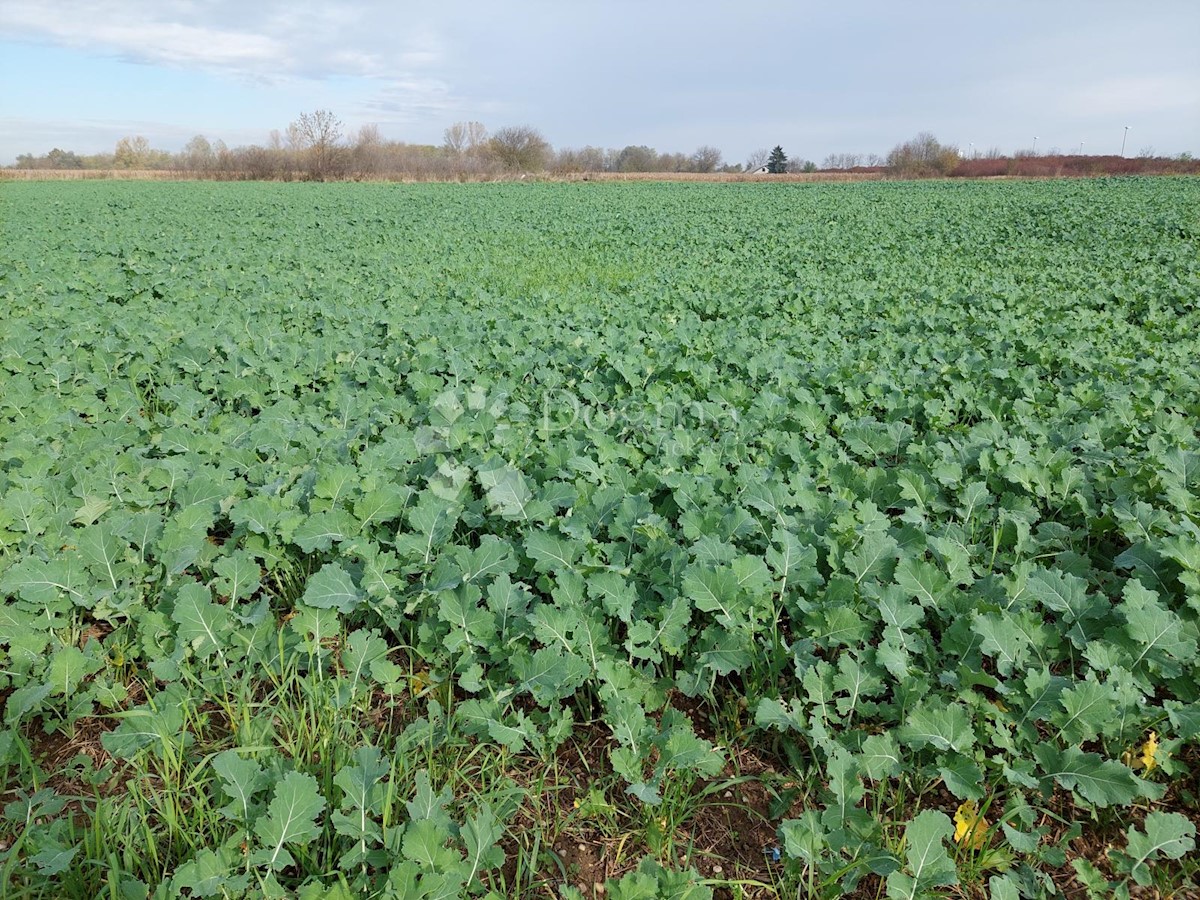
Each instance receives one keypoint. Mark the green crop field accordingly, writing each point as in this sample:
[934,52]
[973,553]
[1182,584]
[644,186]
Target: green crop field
[575,539]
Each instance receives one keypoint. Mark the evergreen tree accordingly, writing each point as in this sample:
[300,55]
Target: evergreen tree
[777,162]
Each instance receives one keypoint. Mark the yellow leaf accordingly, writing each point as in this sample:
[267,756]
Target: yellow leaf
[1148,750]
[420,682]
[970,826]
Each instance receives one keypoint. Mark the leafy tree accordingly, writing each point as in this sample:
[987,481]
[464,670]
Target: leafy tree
[55,159]
[132,152]
[777,162]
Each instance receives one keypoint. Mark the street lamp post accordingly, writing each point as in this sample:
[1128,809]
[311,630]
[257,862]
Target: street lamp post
[1123,140]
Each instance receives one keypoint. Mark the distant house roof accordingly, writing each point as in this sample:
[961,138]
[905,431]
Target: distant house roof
[762,170]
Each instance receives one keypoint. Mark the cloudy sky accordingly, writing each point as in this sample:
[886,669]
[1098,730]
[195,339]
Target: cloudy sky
[816,77]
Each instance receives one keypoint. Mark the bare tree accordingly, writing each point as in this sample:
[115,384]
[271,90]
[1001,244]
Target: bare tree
[841,161]
[519,148]
[706,159]
[757,159]
[198,154]
[638,158]
[368,151]
[316,137]
[584,159]
[465,137]
[923,155]
[221,156]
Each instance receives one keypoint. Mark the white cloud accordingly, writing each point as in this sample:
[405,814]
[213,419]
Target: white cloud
[142,33]
[407,100]
[261,41]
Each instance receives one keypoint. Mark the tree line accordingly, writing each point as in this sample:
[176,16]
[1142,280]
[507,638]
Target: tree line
[316,146]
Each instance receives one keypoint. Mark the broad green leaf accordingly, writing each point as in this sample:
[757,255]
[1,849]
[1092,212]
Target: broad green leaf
[509,604]
[383,504]
[470,623]
[429,806]
[361,804]
[794,563]
[1103,782]
[241,779]
[28,699]
[53,860]
[1003,887]
[804,838]
[291,818]
[1167,835]
[491,559]
[315,626]
[549,675]
[103,552]
[941,727]
[1088,708]
[210,874]
[480,834]
[880,757]
[425,844]
[363,650]
[43,583]
[1004,640]
[550,553]
[1063,593]
[874,558]
[1157,636]
[320,531]
[615,593]
[240,575]
[204,626]
[680,749]
[159,727]
[332,588]
[962,777]
[716,591]
[927,864]
[432,521]
[921,580]
[69,666]
[507,493]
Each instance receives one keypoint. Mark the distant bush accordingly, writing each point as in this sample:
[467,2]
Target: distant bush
[921,157]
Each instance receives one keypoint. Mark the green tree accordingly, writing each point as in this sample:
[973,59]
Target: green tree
[777,162]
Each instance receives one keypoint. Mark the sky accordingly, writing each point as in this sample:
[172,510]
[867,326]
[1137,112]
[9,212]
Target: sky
[814,77]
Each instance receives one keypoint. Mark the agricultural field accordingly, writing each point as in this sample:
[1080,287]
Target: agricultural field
[567,540]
